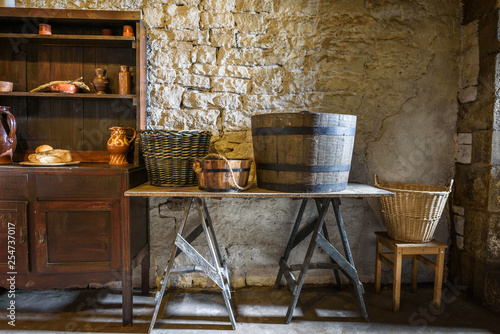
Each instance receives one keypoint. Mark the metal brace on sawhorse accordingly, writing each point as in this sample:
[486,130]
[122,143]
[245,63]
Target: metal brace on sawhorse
[217,270]
[338,261]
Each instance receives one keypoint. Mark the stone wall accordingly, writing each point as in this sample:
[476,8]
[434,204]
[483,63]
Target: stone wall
[212,64]
[477,198]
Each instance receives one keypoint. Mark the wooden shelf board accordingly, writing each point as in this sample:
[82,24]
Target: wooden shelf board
[62,95]
[87,40]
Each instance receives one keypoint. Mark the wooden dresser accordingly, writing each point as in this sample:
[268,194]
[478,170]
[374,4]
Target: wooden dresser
[72,224]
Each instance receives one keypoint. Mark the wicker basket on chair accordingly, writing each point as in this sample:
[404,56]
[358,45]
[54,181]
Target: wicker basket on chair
[413,214]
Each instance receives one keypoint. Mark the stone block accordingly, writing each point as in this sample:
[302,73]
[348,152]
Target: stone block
[166,96]
[198,100]
[204,54]
[464,138]
[227,101]
[154,16]
[297,7]
[230,85]
[171,58]
[251,23]
[492,291]
[254,5]
[191,119]
[216,20]
[241,72]
[467,94]
[481,147]
[459,224]
[199,37]
[460,242]
[494,193]
[217,5]
[257,102]
[267,80]
[476,233]
[337,6]
[192,81]
[464,154]
[223,38]
[342,82]
[299,81]
[159,75]
[493,242]
[472,187]
[459,210]
[495,148]
[182,17]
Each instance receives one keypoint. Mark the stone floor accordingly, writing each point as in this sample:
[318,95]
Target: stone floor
[258,310]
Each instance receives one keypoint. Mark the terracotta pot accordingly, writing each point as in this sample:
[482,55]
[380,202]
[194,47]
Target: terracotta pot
[44,29]
[119,145]
[124,80]
[8,140]
[100,81]
[6,86]
[107,32]
[128,31]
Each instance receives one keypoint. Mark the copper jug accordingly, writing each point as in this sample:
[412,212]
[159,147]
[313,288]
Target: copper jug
[119,145]
[8,140]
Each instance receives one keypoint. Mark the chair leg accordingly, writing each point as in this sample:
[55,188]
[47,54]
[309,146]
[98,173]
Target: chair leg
[378,266]
[438,278]
[414,273]
[396,291]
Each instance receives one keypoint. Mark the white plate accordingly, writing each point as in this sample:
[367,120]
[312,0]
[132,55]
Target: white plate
[53,164]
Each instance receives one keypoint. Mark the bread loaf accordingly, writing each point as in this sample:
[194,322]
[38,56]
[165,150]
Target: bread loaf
[51,156]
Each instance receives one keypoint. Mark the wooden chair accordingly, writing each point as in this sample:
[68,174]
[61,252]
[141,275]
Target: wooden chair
[401,250]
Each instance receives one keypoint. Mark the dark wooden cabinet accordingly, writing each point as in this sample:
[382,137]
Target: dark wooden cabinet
[72,225]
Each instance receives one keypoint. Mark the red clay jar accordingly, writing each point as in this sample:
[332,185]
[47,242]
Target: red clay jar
[128,31]
[107,32]
[44,29]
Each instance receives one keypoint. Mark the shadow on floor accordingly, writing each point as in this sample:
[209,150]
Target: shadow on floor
[257,310]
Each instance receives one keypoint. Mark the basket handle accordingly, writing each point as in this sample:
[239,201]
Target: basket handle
[197,168]
[376,179]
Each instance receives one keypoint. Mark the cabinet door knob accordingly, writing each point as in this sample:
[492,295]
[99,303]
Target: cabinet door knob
[42,236]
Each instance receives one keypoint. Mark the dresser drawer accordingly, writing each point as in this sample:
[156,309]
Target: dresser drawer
[13,186]
[78,186]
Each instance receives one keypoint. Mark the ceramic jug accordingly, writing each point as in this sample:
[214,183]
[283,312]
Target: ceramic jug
[7,135]
[119,144]
[100,81]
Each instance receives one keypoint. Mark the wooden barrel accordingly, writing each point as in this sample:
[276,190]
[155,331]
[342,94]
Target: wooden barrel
[214,174]
[303,152]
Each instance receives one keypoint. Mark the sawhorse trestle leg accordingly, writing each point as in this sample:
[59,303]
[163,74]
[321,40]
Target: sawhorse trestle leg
[215,268]
[338,261]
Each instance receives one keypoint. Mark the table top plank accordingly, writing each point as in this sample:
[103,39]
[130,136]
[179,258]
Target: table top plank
[355,190]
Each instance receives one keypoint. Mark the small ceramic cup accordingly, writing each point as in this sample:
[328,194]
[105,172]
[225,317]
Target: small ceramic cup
[107,32]
[44,29]
[128,31]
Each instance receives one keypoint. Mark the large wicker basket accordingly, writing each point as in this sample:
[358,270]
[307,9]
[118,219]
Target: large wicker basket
[413,214]
[169,155]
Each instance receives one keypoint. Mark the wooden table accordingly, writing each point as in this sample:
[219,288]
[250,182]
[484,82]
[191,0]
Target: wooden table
[215,267]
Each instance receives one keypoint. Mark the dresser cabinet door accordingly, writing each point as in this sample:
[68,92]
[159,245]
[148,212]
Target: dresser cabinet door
[77,236]
[13,237]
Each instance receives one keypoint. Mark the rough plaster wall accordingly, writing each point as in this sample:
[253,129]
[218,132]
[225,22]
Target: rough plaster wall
[212,64]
